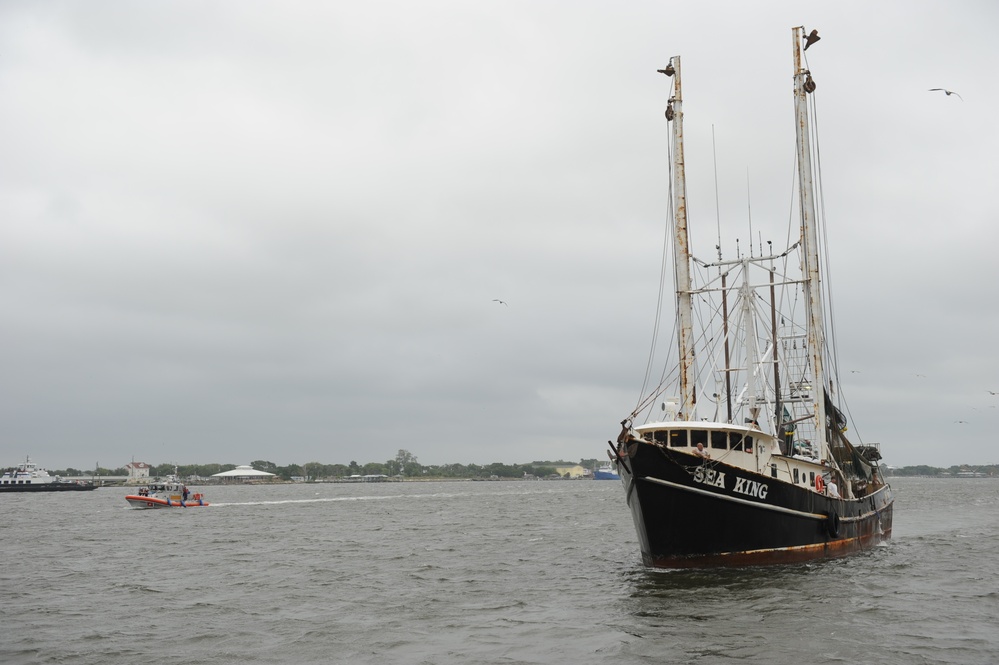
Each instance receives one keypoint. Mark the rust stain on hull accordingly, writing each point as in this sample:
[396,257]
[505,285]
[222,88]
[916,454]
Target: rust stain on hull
[833,549]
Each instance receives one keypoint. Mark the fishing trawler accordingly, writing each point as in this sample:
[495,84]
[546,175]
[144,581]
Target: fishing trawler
[740,455]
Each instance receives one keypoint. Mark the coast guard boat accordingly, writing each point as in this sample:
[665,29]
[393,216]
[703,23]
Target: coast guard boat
[169,494]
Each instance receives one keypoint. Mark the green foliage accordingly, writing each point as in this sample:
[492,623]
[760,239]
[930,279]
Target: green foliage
[404,457]
[932,471]
[919,470]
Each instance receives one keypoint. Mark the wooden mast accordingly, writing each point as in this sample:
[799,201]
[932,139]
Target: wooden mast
[681,250]
[803,85]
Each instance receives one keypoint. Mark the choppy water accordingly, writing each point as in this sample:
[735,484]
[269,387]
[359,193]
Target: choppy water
[503,572]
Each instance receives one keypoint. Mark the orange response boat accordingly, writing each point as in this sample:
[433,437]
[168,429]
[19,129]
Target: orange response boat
[171,494]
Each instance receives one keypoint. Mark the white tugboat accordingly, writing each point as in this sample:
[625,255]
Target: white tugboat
[29,477]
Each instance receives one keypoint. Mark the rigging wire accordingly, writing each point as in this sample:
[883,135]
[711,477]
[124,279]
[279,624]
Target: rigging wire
[833,342]
[643,399]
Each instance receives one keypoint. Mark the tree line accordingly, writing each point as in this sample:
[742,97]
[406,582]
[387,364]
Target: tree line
[924,470]
[404,464]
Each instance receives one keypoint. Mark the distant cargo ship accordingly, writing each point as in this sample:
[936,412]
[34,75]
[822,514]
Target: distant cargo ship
[605,472]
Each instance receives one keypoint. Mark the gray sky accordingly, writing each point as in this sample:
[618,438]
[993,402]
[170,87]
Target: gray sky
[274,230]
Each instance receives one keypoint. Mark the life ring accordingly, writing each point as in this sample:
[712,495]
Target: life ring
[820,485]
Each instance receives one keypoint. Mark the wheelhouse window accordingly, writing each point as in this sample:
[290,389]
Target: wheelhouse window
[719,440]
[678,438]
[698,436]
[662,436]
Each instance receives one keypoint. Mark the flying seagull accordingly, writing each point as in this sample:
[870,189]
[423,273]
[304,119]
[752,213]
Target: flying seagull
[812,37]
[946,92]
[502,302]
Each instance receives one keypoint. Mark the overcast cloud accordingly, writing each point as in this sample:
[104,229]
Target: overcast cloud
[246,230]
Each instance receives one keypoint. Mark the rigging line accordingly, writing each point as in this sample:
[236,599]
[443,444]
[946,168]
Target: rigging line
[662,275]
[832,345]
[794,191]
[840,401]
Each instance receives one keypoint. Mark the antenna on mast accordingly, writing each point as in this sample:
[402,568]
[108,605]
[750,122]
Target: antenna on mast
[749,210]
[714,157]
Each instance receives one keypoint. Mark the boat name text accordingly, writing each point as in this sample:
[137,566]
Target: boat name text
[750,488]
[709,477]
[715,478]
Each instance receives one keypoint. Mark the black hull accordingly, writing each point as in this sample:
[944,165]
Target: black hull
[691,512]
[48,487]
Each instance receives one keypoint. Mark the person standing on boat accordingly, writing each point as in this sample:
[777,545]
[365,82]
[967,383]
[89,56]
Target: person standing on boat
[185,492]
[832,489]
[701,452]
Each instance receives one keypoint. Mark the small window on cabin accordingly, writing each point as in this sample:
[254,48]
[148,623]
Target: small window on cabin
[773,470]
[678,438]
[735,441]
[795,476]
[662,436]
[647,436]
[698,436]
[811,477]
[719,440]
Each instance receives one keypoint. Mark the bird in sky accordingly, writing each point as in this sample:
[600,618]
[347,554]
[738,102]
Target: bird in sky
[502,302]
[946,92]
[992,392]
[963,422]
[812,37]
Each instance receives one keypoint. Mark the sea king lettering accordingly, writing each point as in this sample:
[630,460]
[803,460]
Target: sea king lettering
[715,478]
[750,488]
[709,477]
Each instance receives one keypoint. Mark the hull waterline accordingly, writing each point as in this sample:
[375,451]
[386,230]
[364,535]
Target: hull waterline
[48,487]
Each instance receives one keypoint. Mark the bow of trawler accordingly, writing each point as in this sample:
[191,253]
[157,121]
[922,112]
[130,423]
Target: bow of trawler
[709,494]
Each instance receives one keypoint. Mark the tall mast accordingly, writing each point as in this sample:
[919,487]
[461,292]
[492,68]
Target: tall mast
[681,249]
[803,85]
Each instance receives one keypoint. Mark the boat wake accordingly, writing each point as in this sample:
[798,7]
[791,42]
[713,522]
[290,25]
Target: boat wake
[332,499]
